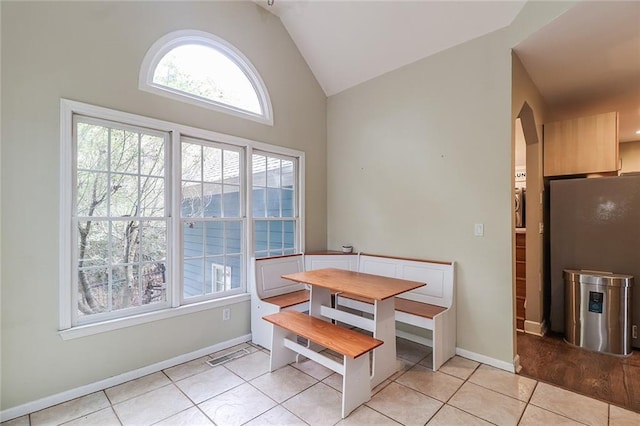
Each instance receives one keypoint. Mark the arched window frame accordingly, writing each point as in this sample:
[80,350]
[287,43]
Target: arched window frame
[184,37]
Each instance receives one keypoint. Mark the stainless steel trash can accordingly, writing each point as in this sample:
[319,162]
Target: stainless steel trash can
[598,311]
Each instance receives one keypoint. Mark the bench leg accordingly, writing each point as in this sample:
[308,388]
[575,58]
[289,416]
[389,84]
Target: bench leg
[280,355]
[356,389]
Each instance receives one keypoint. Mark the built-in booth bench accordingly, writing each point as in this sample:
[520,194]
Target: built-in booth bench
[431,307]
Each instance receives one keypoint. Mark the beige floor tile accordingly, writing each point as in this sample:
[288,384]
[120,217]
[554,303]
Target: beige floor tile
[250,366]
[70,410]
[189,417]
[319,405]
[501,381]
[18,421]
[237,406]
[335,381]
[366,416]
[312,368]
[152,407]
[487,404]
[188,369]
[381,386]
[459,367]
[621,417]
[284,383]
[434,384]
[209,384]
[104,417]
[277,416]
[136,387]
[404,405]
[535,416]
[411,351]
[577,407]
[448,416]
[427,361]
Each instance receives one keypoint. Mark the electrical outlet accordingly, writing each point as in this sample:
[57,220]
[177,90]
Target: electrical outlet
[634,331]
[478,230]
[226,314]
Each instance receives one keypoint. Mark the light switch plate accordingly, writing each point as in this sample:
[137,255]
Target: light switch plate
[478,230]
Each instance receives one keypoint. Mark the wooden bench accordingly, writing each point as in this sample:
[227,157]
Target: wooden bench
[352,345]
[430,308]
[271,293]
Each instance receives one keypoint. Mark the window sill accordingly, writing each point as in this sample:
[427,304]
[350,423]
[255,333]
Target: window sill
[116,324]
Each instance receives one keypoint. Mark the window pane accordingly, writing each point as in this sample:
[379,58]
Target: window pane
[193,277]
[289,234]
[91,194]
[234,263]
[205,72]
[154,283]
[260,239]
[193,234]
[152,155]
[273,202]
[92,148]
[152,197]
[215,238]
[125,241]
[124,151]
[125,287]
[259,170]
[287,202]
[212,158]
[212,200]
[216,275]
[275,235]
[231,171]
[124,195]
[273,172]
[191,162]
[191,199]
[231,201]
[233,237]
[288,175]
[93,291]
[153,241]
[260,202]
[93,243]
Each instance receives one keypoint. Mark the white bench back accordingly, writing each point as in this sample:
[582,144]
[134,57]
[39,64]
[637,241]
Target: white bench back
[438,276]
[269,271]
[339,261]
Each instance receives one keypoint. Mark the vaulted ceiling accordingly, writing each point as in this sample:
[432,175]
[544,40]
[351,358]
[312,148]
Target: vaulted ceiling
[589,55]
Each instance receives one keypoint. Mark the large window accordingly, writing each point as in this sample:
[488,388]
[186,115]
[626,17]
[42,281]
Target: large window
[155,218]
[274,204]
[199,68]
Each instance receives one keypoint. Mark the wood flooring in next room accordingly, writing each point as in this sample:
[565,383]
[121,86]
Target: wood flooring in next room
[609,378]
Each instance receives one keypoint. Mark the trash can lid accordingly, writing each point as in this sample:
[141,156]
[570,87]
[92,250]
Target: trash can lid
[598,277]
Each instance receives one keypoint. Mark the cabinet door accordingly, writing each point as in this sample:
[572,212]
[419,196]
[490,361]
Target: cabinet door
[582,145]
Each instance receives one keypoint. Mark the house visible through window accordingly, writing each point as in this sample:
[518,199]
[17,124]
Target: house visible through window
[156,219]
[205,70]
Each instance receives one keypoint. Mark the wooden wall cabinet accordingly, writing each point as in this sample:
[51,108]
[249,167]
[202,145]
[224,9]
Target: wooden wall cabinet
[581,145]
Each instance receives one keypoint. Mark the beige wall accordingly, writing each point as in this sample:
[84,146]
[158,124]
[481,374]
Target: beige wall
[418,156]
[630,156]
[91,52]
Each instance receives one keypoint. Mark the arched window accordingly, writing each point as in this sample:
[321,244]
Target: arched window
[202,69]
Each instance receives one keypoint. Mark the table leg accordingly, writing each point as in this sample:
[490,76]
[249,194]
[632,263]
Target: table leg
[384,356]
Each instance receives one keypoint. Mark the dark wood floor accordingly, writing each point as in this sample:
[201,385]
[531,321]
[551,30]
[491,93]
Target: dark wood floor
[609,378]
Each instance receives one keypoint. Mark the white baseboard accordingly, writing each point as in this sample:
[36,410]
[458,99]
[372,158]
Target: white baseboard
[49,401]
[486,360]
[536,328]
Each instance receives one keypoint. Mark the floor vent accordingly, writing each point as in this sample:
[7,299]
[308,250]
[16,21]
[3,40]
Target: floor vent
[228,357]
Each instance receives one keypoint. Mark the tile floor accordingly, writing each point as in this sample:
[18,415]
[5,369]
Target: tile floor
[243,392]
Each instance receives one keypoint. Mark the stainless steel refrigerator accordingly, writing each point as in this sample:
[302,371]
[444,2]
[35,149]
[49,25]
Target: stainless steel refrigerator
[594,224]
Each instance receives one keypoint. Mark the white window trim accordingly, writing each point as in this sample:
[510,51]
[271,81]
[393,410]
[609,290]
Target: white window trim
[67,110]
[174,39]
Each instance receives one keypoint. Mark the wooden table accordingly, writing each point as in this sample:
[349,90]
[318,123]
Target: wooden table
[381,289]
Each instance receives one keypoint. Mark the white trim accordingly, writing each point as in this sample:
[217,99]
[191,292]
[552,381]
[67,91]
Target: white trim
[535,328]
[144,318]
[503,365]
[80,391]
[175,39]
[65,181]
